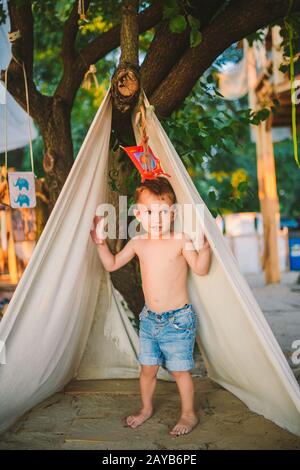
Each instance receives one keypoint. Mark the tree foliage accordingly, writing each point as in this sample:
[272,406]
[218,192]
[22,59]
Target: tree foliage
[210,134]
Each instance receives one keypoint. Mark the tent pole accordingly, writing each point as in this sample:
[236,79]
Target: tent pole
[266,176]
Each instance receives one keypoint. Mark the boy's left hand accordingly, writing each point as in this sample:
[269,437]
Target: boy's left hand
[205,242]
[99,240]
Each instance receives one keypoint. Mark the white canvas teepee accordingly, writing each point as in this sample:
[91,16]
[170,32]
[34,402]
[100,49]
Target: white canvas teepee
[65,320]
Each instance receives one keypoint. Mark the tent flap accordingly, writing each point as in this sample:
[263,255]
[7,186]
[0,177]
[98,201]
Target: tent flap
[66,320]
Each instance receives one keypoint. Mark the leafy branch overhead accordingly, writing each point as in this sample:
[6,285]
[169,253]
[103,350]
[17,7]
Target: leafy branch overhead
[178,20]
[179,41]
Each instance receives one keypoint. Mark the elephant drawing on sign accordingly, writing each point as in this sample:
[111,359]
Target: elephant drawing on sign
[23,199]
[22,183]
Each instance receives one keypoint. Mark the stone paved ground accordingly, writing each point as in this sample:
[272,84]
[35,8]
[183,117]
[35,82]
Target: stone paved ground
[92,416]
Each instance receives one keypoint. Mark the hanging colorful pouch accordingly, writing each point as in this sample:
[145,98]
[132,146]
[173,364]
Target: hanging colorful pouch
[149,168]
[146,162]
[21,184]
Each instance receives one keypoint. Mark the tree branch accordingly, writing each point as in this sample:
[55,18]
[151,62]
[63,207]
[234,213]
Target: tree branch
[240,19]
[167,47]
[130,33]
[102,45]
[69,34]
[125,83]
[109,40]
[164,51]
[21,19]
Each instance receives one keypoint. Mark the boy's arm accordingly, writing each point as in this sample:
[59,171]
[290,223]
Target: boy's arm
[110,262]
[199,261]
[113,262]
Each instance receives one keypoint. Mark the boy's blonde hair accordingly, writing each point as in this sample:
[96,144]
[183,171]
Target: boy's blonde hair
[159,186]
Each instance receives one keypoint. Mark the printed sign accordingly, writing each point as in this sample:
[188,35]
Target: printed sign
[21,189]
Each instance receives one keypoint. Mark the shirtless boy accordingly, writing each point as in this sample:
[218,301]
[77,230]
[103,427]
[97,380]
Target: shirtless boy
[167,320]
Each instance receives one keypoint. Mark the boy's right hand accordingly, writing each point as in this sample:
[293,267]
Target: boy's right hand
[102,240]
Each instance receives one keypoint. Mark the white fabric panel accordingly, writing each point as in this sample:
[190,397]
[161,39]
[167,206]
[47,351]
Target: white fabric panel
[48,320]
[246,249]
[4,42]
[233,83]
[112,347]
[278,134]
[240,350]
[65,321]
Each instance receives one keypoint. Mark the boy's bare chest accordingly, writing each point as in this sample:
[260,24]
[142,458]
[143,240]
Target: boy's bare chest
[159,252]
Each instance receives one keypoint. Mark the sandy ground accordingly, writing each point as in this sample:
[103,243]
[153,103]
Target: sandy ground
[90,414]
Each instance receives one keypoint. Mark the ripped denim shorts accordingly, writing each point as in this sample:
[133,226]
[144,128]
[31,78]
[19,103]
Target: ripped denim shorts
[168,338]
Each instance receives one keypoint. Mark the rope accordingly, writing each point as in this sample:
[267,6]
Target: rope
[293,96]
[145,138]
[12,37]
[81,10]
[89,76]
[28,112]
[292,80]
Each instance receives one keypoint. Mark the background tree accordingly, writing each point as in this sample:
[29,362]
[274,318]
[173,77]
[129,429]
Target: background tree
[179,41]
[189,36]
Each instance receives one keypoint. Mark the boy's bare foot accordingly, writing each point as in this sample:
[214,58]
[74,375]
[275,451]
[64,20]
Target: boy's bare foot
[137,419]
[185,424]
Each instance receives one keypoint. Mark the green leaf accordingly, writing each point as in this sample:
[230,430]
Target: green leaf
[283,68]
[193,22]
[219,94]
[195,37]
[257,36]
[212,196]
[239,202]
[242,186]
[177,24]
[210,78]
[171,8]
[261,115]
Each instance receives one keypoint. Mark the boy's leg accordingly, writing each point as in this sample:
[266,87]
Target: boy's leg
[147,387]
[188,418]
[177,346]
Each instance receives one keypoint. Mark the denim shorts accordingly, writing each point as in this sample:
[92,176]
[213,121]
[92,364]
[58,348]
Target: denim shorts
[168,338]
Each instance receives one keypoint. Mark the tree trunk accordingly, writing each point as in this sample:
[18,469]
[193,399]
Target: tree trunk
[125,92]
[58,154]
[126,279]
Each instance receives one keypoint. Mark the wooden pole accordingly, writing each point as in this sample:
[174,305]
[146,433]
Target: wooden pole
[266,176]
[269,203]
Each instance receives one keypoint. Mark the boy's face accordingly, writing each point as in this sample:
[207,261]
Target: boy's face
[155,213]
